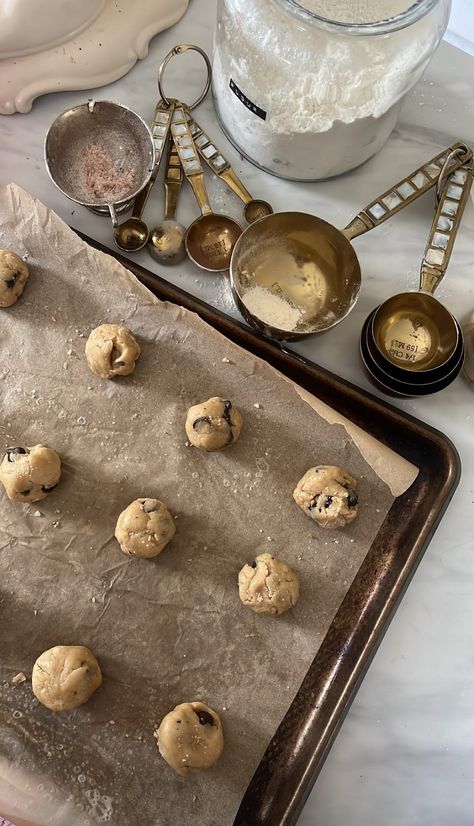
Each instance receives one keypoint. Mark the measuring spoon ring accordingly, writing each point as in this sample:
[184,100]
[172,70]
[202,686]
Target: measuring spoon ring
[211,238]
[132,234]
[254,208]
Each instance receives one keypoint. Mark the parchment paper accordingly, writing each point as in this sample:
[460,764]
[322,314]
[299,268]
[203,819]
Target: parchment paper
[171,629]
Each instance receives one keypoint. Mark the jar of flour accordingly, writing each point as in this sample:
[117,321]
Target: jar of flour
[310,89]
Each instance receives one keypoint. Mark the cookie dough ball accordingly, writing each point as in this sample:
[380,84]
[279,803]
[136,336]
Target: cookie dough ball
[65,677]
[327,494]
[112,350]
[28,474]
[213,425]
[145,528]
[268,585]
[13,277]
[190,738]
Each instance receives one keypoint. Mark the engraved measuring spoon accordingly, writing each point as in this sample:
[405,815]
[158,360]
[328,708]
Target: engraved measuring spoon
[167,240]
[211,238]
[132,234]
[254,207]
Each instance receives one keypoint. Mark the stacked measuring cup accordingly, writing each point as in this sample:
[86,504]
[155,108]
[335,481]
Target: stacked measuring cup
[411,345]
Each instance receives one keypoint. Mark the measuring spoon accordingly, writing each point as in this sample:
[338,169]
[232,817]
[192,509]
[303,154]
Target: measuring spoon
[211,238]
[254,208]
[413,330]
[311,264]
[132,234]
[166,243]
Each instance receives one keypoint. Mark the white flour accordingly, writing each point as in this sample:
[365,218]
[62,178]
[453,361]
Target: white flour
[357,11]
[271,309]
[309,80]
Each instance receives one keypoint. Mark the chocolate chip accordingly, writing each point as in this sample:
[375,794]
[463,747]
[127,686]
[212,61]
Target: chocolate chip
[226,413]
[47,488]
[25,492]
[201,420]
[149,505]
[352,499]
[11,280]
[205,718]
[328,502]
[14,451]
[253,564]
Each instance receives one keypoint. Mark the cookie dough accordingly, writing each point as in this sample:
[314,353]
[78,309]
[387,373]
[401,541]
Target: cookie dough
[28,474]
[190,738]
[112,350]
[328,495]
[213,425]
[65,677]
[268,585]
[145,528]
[13,277]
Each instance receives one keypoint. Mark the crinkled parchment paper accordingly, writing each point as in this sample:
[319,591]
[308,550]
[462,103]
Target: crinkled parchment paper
[169,629]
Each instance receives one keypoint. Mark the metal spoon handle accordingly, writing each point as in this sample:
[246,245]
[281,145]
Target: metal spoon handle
[189,158]
[407,190]
[173,180]
[214,158]
[159,129]
[446,222]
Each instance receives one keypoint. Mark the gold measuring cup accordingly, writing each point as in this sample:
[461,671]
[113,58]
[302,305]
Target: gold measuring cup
[254,208]
[210,239]
[132,234]
[413,330]
[310,264]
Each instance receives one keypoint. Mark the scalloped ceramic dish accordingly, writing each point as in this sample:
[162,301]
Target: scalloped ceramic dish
[56,45]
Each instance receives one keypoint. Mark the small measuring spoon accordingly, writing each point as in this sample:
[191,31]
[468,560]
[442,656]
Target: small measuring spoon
[254,208]
[132,234]
[211,238]
[166,242]
[311,264]
[413,330]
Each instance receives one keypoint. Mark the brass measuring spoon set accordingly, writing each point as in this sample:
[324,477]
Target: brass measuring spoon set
[210,239]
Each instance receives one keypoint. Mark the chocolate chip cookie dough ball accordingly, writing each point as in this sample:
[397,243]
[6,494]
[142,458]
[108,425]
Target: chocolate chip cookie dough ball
[145,528]
[268,585]
[65,676]
[213,425]
[13,277]
[112,350]
[190,738]
[28,474]
[328,495]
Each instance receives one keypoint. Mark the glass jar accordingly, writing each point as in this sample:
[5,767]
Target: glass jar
[307,97]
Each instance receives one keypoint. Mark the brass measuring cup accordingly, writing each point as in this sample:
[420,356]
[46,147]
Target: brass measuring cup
[211,238]
[132,234]
[254,208]
[412,330]
[310,263]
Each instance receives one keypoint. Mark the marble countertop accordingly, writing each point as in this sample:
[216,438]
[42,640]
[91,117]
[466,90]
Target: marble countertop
[404,755]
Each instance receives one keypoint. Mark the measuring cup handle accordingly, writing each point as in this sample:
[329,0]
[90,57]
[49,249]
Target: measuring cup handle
[444,228]
[407,190]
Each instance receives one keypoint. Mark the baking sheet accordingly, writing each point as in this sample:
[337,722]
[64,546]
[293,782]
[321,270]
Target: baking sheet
[170,629]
